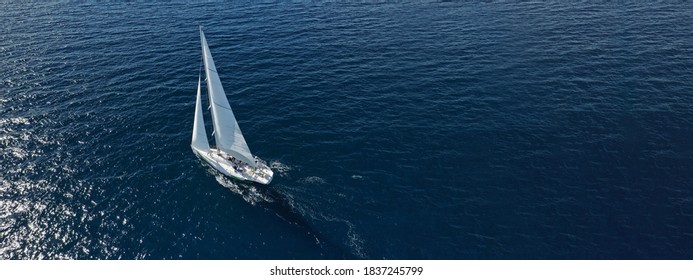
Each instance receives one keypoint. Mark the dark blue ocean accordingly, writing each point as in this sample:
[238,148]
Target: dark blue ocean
[405,130]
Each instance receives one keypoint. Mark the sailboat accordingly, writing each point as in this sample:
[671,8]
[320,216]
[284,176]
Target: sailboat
[231,156]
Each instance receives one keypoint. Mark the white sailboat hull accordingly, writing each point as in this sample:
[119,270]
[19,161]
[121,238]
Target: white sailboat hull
[218,160]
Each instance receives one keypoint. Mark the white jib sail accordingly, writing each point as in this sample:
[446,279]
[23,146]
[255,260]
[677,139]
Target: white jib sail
[199,135]
[227,134]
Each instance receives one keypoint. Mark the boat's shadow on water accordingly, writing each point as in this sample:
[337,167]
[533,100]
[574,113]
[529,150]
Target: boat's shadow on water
[268,198]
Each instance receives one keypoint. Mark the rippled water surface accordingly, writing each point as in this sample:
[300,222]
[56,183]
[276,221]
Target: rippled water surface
[396,130]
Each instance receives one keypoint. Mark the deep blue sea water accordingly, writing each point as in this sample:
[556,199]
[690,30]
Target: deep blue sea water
[407,130]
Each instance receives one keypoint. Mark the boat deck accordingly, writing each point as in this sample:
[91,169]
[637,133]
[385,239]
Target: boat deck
[236,168]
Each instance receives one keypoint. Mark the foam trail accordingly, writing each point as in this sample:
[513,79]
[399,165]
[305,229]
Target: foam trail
[281,168]
[355,242]
[285,208]
[314,180]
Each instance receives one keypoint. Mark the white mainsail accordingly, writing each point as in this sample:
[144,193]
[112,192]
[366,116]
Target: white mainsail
[199,135]
[227,134]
